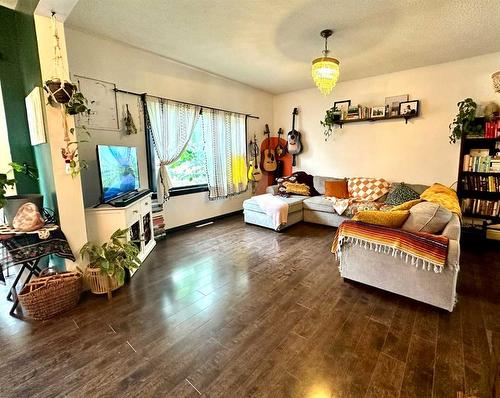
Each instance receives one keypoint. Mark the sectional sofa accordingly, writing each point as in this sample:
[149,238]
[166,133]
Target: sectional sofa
[373,268]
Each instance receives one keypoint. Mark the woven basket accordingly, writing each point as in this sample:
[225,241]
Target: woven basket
[48,296]
[101,283]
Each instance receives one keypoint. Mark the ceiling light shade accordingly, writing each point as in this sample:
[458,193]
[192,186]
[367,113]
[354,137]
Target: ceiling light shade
[496,81]
[325,70]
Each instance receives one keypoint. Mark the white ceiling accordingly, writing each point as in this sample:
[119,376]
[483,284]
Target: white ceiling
[269,44]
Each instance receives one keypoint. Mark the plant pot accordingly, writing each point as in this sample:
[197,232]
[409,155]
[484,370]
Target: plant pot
[13,203]
[101,283]
[62,96]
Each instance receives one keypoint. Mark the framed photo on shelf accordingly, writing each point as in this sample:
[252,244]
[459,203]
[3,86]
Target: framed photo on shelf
[409,108]
[378,112]
[342,106]
[392,104]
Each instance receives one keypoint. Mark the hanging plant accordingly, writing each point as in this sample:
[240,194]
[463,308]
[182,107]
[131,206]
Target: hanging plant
[332,116]
[129,123]
[465,123]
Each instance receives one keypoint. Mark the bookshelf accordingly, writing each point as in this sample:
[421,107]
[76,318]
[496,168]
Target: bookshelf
[479,189]
[375,119]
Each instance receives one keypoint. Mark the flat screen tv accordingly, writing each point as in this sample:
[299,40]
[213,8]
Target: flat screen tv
[118,171]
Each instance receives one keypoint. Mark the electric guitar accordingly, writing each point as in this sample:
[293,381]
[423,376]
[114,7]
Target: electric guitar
[294,145]
[269,162]
[254,173]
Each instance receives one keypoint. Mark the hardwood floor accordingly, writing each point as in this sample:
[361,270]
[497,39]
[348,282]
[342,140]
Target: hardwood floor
[233,310]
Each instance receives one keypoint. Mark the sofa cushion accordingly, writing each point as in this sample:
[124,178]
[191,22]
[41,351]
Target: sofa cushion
[355,207]
[318,203]
[427,217]
[319,182]
[308,179]
[294,204]
[296,188]
[406,205]
[336,189]
[281,185]
[401,193]
[367,189]
[392,219]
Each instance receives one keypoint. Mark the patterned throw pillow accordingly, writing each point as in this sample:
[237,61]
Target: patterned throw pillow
[367,189]
[304,178]
[282,188]
[356,207]
[401,193]
[296,188]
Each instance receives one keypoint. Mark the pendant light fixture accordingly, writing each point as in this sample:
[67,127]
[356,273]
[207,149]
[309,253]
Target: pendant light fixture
[325,70]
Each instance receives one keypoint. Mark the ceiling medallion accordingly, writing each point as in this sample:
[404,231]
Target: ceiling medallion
[325,70]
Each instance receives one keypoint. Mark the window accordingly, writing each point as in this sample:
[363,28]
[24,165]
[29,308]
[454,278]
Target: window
[188,174]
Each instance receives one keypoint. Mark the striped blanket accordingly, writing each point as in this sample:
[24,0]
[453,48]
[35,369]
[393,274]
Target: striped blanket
[417,248]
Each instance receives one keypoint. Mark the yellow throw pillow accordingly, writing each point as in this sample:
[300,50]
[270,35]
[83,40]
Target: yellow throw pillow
[297,189]
[443,196]
[406,205]
[392,219]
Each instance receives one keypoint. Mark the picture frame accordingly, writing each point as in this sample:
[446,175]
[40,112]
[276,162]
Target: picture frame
[102,103]
[409,108]
[392,104]
[377,112]
[342,106]
[36,114]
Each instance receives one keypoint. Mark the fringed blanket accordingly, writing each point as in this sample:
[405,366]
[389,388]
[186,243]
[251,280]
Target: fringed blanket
[418,248]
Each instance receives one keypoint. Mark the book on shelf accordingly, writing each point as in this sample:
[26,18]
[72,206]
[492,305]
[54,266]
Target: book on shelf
[481,183]
[492,129]
[480,207]
[479,164]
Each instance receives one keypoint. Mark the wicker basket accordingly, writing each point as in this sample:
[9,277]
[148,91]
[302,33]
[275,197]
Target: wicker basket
[48,296]
[101,283]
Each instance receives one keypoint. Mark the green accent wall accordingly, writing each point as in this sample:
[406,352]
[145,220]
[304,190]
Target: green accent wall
[19,74]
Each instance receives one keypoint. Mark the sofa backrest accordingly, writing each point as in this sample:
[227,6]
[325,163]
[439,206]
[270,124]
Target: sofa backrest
[319,184]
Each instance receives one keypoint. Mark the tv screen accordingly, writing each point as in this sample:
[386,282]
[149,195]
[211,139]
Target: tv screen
[118,170]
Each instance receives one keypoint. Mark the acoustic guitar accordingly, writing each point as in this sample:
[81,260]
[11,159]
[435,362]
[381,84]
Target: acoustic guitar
[269,161]
[254,173]
[280,149]
[294,145]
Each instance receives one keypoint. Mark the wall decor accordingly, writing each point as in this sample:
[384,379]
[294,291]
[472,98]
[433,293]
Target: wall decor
[342,106]
[392,104]
[37,121]
[378,111]
[409,108]
[104,111]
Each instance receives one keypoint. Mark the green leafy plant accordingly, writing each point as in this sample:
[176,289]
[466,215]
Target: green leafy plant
[465,122]
[6,182]
[77,104]
[332,115]
[114,256]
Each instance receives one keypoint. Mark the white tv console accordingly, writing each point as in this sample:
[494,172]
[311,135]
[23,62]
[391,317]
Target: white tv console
[102,221]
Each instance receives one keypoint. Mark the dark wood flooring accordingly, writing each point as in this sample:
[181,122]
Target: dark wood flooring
[233,310]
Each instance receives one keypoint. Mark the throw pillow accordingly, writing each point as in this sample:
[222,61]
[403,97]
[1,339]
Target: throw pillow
[392,219]
[367,189]
[337,189]
[281,188]
[339,205]
[442,195]
[356,207]
[427,217]
[401,193]
[296,188]
[304,178]
[28,218]
[407,205]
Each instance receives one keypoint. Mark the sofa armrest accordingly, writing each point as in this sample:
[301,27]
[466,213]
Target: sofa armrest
[272,189]
[453,228]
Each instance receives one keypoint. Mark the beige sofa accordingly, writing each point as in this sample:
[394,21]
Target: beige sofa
[366,266]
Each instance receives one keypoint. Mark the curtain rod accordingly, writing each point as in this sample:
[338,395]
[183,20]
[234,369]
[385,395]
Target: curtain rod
[117,90]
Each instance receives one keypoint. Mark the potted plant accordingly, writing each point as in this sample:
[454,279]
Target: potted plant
[59,91]
[465,123]
[107,262]
[332,116]
[12,203]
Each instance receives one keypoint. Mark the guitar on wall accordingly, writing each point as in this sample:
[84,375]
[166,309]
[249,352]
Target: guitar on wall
[280,152]
[254,173]
[269,160]
[294,145]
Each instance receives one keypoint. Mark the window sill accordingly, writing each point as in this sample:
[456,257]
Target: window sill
[186,190]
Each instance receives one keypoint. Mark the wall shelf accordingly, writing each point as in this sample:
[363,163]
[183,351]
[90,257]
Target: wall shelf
[375,119]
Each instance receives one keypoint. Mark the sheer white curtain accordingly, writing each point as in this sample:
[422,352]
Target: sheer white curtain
[224,134]
[171,125]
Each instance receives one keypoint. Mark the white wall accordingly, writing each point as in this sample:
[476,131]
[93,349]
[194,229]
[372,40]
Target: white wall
[418,152]
[140,71]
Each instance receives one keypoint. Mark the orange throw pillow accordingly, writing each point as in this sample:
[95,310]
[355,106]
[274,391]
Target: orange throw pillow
[337,189]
